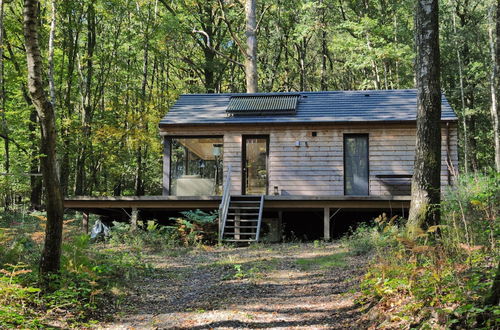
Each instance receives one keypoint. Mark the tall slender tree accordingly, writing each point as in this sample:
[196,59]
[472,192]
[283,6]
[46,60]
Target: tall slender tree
[51,254]
[425,187]
[251,52]
[3,119]
[494,36]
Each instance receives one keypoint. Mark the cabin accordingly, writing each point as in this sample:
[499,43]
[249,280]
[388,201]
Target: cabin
[294,161]
[300,150]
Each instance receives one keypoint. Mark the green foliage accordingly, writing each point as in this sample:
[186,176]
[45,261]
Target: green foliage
[367,238]
[199,217]
[152,236]
[89,280]
[15,309]
[471,210]
[196,227]
[136,77]
[440,278]
[239,273]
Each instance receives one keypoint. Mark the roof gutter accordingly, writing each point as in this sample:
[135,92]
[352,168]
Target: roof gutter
[301,123]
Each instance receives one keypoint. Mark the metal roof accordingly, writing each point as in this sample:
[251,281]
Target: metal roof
[262,104]
[312,107]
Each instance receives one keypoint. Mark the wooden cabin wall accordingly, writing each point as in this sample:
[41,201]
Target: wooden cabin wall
[316,167]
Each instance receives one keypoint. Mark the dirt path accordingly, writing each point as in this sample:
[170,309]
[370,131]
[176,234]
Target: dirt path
[263,286]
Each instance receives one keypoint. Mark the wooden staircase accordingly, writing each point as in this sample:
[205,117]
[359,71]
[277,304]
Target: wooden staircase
[242,219]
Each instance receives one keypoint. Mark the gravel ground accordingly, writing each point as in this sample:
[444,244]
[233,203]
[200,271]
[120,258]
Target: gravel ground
[280,286]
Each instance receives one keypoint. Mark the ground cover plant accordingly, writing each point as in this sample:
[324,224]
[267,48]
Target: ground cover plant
[441,278]
[94,276]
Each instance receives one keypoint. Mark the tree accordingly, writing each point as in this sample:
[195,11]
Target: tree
[425,187]
[495,78]
[251,52]
[4,128]
[51,254]
[494,295]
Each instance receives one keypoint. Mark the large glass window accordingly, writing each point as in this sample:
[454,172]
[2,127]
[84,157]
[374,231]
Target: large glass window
[356,164]
[196,166]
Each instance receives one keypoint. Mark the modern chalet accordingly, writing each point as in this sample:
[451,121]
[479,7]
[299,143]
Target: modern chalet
[349,149]
[257,156]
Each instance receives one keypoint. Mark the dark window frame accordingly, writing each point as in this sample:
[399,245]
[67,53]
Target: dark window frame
[364,135]
[244,139]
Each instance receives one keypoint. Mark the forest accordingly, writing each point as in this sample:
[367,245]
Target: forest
[83,86]
[116,66]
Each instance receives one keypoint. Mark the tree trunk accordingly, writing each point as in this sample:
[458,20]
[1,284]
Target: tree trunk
[5,128]
[425,188]
[495,79]
[493,298]
[73,36]
[35,181]
[52,33]
[324,47]
[51,254]
[87,104]
[251,58]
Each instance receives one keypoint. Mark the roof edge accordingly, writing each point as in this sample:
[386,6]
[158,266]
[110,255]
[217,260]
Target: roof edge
[332,123]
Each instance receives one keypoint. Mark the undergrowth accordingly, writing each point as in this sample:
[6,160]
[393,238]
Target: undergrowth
[89,285]
[193,229]
[94,275]
[441,278]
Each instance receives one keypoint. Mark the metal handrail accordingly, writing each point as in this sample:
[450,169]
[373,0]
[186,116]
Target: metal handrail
[224,204]
[259,223]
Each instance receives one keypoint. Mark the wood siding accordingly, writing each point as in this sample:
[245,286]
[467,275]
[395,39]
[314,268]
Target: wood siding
[316,168]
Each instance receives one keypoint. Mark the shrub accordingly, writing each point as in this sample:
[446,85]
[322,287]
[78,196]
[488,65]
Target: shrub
[196,227]
[87,278]
[369,237]
[470,210]
[440,278]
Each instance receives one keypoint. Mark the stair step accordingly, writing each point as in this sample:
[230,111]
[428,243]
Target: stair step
[245,202]
[245,198]
[249,213]
[241,234]
[242,220]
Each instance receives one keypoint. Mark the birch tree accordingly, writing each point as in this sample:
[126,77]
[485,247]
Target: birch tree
[425,187]
[51,255]
[494,36]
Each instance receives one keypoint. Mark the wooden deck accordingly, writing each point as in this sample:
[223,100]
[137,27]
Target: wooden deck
[180,203]
[164,207]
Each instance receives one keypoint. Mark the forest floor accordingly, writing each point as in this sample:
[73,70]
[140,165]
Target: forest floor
[299,285]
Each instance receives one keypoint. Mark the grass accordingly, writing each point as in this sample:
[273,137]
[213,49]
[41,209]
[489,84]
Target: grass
[327,261]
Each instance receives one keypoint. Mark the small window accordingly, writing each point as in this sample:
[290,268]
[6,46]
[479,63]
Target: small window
[356,164]
[314,134]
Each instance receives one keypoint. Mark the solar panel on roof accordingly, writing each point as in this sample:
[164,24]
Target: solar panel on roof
[263,104]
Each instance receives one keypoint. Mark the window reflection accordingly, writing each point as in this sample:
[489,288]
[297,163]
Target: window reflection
[196,166]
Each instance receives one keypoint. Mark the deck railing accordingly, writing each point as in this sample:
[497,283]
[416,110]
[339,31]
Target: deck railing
[224,204]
